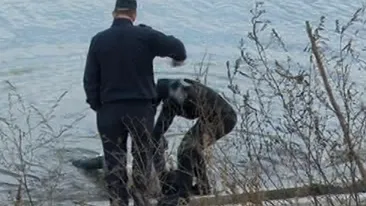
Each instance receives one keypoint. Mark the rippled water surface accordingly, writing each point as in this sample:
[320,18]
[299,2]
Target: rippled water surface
[43,45]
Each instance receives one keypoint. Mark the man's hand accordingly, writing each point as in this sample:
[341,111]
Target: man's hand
[177,63]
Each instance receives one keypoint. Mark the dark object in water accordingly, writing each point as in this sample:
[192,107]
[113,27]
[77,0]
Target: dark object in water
[89,163]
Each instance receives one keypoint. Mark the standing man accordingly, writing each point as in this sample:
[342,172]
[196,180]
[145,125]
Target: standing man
[119,86]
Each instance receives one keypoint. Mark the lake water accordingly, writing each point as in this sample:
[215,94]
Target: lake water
[43,46]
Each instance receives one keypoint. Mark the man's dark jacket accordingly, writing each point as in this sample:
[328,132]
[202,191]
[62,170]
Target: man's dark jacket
[119,63]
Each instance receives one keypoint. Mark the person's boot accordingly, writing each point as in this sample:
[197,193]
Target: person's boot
[200,189]
[172,196]
[167,182]
[174,200]
[117,203]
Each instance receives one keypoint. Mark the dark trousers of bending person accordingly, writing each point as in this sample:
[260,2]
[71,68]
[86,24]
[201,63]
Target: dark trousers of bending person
[191,160]
[115,122]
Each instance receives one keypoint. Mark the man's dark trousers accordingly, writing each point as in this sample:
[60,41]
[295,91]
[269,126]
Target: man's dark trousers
[115,121]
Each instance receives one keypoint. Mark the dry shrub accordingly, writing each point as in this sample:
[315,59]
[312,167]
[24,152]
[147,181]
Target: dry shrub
[29,138]
[301,122]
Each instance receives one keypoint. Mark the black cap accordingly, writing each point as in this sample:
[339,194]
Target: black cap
[125,4]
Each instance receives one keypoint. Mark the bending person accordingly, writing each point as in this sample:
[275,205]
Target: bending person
[215,118]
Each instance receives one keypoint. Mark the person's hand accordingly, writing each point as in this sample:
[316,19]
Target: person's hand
[177,63]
